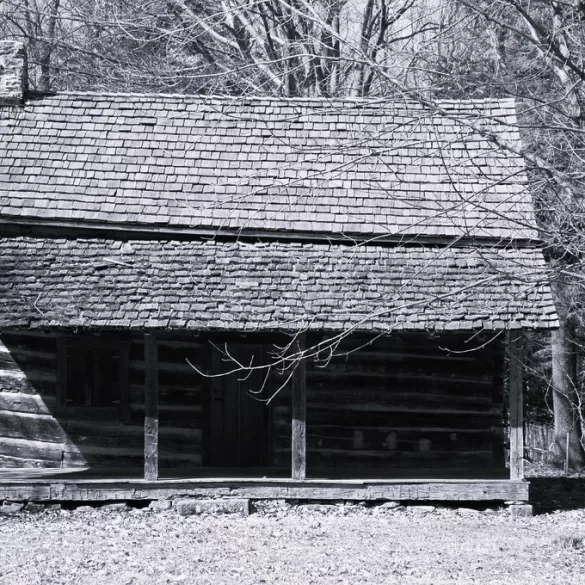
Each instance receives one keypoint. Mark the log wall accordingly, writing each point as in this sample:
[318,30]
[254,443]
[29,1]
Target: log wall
[34,432]
[402,402]
[30,436]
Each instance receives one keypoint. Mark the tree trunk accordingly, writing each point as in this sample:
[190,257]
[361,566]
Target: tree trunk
[565,396]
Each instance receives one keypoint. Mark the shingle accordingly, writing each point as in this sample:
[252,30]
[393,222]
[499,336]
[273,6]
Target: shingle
[212,284]
[405,163]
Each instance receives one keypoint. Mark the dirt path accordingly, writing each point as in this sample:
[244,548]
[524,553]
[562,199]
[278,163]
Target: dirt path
[347,545]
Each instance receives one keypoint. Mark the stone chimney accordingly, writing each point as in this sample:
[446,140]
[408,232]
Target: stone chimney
[13,76]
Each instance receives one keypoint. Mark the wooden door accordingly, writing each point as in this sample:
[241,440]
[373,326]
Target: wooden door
[238,422]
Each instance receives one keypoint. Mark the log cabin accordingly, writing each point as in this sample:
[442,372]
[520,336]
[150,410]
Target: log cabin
[262,297]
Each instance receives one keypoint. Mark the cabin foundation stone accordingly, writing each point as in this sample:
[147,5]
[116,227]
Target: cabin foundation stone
[160,505]
[521,510]
[7,508]
[193,507]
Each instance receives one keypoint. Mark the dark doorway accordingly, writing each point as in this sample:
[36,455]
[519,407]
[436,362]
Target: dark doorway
[239,422]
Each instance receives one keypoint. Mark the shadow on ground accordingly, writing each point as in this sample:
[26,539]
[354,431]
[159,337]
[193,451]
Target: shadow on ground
[557,493]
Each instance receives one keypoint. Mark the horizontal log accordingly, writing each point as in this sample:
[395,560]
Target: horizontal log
[409,366]
[18,402]
[398,395]
[172,350]
[16,373]
[452,421]
[181,367]
[173,375]
[130,459]
[170,394]
[20,463]
[174,416]
[348,439]
[282,427]
[41,450]
[437,457]
[456,343]
[381,355]
[30,341]
[93,449]
[185,409]
[25,359]
[282,459]
[25,493]
[411,380]
[474,462]
[107,444]
[359,408]
[38,382]
[90,427]
[43,438]
[7,363]
[35,333]
[103,414]
[99,490]
[170,459]
[39,427]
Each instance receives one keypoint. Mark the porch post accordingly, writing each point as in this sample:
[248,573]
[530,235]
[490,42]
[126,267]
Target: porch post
[150,407]
[516,410]
[299,418]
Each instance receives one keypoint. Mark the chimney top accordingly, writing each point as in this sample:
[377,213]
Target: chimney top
[13,77]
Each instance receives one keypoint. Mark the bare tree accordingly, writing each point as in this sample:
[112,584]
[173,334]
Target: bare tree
[297,47]
[113,45]
[538,58]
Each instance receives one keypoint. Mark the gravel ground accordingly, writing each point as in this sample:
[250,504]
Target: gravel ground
[284,545]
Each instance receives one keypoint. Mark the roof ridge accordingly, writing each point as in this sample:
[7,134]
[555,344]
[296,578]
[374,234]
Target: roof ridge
[320,100]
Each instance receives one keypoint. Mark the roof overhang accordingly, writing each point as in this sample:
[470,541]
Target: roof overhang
[218,285]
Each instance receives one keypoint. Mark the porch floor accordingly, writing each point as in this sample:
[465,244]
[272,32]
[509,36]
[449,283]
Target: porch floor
[329,473]
[86,485]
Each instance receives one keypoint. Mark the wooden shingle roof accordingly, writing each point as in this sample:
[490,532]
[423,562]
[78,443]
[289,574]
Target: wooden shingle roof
[286,165]
[190,212]
[214,285]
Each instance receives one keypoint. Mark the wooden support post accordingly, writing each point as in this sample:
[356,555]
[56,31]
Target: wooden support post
[516,410]
[299,418]
[150,408]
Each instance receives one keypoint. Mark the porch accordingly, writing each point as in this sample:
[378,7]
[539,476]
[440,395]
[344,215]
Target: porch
[404,419]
